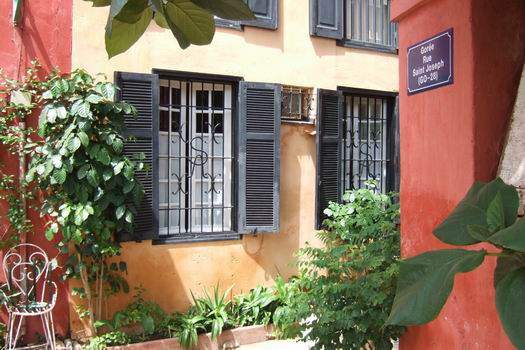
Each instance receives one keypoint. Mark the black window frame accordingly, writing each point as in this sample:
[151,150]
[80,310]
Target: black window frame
[220,79]
[346,42]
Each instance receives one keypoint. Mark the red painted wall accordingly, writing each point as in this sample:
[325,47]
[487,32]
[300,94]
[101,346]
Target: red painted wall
[45,34]
[452,136]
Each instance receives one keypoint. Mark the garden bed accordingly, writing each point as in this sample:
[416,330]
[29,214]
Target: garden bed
[228,339]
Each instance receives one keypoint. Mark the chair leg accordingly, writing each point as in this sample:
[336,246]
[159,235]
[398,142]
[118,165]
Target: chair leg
[49,330]
[11,344]
[52,326]
[8,333]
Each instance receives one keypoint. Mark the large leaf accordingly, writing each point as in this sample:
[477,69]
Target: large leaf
[510,303]
[100,3]
[425,282]
[124,35]
[513,237]
[194,23]
[506,264]
[509,196]
[227,9]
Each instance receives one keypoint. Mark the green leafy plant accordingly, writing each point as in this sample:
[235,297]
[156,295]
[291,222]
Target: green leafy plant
[345,288]
[215,310]
[113,338]
[147,314]
[191,22]
[87,185]
[254,308]
[488,213]
[188,326]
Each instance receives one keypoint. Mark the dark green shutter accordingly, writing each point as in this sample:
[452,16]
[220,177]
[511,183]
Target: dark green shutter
[259,152]
[394,147]
[142,91]
[266,12]
[326,18]
[329,129]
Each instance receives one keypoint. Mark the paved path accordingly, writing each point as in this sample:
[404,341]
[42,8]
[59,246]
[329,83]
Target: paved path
[277,345]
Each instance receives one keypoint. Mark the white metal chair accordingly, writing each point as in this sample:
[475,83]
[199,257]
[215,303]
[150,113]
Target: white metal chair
[31,293]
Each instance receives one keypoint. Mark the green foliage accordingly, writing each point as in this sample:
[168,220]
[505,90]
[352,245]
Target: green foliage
[346,287]
[113,338]
[17,103]
[190,21]
[147,314]
[486,214]
[256,307]
[215,310]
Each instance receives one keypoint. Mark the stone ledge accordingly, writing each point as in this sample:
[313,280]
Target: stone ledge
[229,339]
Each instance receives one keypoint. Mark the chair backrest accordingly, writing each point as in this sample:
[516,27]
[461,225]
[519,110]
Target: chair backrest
[27,273]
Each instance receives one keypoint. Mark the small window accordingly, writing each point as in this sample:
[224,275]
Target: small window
[368,23]
[296,103]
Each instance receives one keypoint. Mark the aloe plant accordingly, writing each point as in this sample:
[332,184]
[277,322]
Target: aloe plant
[488,213]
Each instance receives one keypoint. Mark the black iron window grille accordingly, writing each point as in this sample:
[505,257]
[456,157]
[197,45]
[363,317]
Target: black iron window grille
[296,103]
[196,136]
[367,22]
[366,153]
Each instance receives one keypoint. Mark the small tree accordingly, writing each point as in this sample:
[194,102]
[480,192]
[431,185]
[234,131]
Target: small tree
[346,287]
[87,184]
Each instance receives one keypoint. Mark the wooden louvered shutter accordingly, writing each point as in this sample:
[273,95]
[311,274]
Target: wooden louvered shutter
[142,91]
[266,12]
[326,18]
[259,152]
[329,141]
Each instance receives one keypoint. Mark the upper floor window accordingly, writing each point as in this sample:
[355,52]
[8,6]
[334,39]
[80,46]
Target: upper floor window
[357,23]
[368,22]
[265,11]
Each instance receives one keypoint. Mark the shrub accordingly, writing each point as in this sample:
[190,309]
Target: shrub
[346,287]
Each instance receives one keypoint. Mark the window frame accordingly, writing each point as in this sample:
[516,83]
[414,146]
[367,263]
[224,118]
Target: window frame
[271,23]
[233,234]
[346,42]
[309,92]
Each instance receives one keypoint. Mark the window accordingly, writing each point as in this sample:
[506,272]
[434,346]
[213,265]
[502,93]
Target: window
[296,103]
[195,157]
[357,23]
[357,141]
[365,154]
[367,22]
[212,164]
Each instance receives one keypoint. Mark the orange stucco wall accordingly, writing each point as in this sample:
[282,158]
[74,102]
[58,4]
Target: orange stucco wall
[287,56]
[452,136]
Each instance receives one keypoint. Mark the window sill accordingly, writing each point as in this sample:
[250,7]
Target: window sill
[224,23]
[195,238]
[298,122]
[366,46]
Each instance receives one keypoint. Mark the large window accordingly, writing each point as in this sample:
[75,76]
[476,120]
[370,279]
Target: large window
[367,22]
[211,146]
[195,157]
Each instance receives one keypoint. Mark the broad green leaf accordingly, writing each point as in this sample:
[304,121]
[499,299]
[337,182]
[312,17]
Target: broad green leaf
[161,21]
[103,156]
[122,266]
[118,167]
[194,23]
[120,211]
[509,197]
[49,234]
[510,303]
[51,115]
[94,98]
[496,214]
[118,145]
[81,108]
[454,229]
[93,178]
[59,175]
[61,112]
[128,217]
[513,237]
[73,144]
[82,171]
[425,282]
[128,186]
[123,35]
[506,264]
[132,11]
[227,9]
[478,232]
[84,138]
[107,174]
[148,324]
